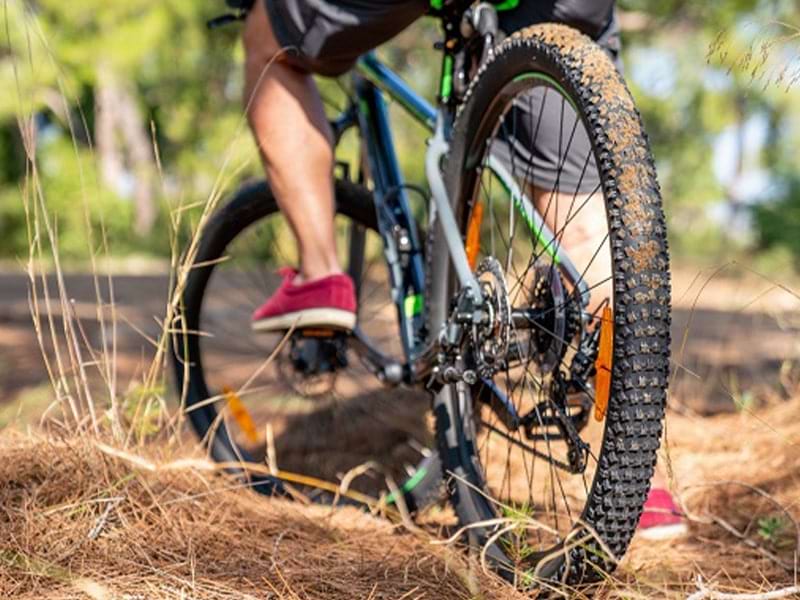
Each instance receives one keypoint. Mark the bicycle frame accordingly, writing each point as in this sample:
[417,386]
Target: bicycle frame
[396,224]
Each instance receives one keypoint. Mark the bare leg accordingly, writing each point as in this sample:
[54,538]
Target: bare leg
[288,121]
[584,231]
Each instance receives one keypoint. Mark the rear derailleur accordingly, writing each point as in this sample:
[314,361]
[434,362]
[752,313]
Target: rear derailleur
[474,342]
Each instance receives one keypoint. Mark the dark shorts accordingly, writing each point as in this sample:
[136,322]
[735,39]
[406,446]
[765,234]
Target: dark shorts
[326,37]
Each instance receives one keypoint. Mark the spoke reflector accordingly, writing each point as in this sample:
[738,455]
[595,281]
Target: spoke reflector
[241,415]
[603,364]
[473,243]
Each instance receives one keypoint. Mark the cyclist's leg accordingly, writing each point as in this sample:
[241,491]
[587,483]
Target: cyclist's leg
[285,42]
[293,136]
[547,149]
[282,49]
[564,179]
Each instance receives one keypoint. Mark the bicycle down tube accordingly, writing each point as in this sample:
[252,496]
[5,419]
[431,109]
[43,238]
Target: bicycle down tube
[386,80]
[396,224]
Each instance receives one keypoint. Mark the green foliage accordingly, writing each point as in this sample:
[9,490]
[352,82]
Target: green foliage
[778,221]
[776,530]
[144,410]
[516,542]
[187,83]
[712,96]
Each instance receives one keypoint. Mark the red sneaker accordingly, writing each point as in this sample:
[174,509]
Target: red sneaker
[329,302]
[661,519]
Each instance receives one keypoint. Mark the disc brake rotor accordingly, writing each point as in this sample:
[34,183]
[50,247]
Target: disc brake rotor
[493,339]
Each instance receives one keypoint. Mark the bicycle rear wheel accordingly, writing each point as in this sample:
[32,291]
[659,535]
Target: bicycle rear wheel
[549,460]
[305,403]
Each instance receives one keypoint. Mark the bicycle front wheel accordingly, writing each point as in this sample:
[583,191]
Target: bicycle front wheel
[549,460]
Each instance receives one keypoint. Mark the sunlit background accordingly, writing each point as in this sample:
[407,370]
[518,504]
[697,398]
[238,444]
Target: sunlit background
[109,82]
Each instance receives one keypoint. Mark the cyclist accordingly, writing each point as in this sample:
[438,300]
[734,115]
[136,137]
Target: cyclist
[287,42]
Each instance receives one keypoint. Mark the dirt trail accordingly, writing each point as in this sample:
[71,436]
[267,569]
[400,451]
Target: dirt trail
[733,340]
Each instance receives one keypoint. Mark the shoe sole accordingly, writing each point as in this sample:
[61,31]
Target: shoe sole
[325,318]
[663,532]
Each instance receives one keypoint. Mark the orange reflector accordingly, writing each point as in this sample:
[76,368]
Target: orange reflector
[473,242]
[241,415]
[603,364]
[317,333]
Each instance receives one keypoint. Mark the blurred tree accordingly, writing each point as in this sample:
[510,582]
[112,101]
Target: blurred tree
[104,76]
[778,219]
[707,111]
[115,85]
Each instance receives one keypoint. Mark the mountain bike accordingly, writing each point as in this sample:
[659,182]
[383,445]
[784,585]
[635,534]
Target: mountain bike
[545,364]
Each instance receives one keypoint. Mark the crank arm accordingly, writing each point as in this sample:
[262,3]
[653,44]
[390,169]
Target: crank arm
[545,415]
[386,369]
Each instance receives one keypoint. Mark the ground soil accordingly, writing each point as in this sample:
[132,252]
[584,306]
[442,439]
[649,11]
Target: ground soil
[733,338]
[731,455]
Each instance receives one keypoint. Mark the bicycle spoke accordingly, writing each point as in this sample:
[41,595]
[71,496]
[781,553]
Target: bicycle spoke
[525,259]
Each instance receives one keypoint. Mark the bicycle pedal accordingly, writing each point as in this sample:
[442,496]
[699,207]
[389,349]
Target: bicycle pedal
[317,354]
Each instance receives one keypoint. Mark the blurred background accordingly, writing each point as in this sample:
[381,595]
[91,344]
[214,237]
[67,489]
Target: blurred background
[134,109]
[714,82]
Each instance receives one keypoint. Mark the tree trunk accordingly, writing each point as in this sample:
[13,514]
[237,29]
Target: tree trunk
[109,153]
[142,162]
[124,147]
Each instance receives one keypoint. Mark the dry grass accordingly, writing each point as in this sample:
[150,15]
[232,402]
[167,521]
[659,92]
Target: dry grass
[77,518]
[738,479]
[74,518]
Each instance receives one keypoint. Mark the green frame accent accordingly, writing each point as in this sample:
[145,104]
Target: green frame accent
[409,484]
[506,5]
[446,85]
[412,305]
